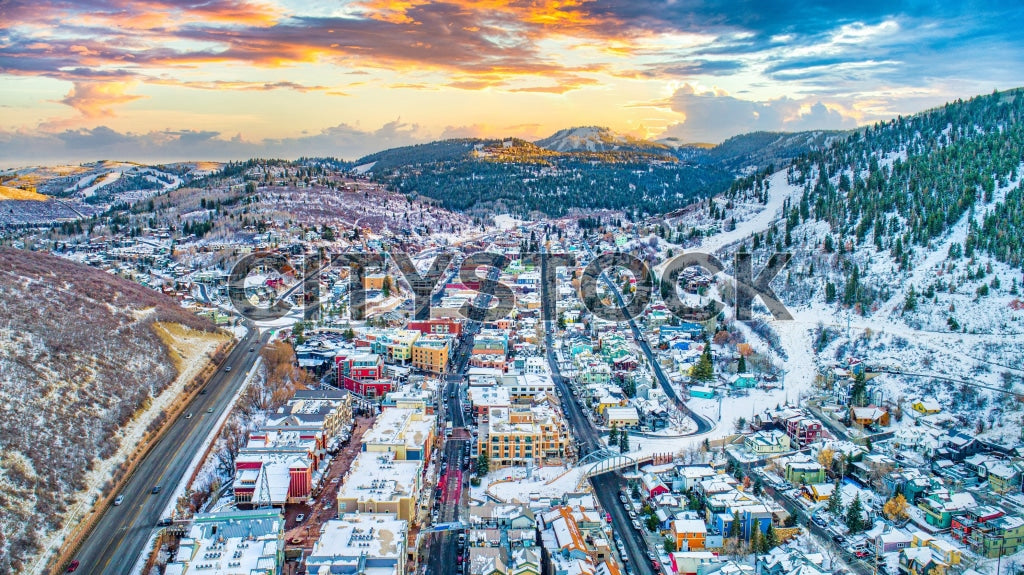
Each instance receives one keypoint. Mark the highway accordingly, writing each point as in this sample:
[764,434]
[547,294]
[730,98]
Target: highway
[120,536]
[607,486]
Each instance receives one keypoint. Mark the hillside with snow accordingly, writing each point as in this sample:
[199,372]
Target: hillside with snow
[84,356]
[906,254]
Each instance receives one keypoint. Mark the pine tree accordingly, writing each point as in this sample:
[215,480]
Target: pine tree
[835,502]
[855,516]
[830,292]
[624,442]
[756,540]
[910,303]
[741,365]
[483,464]
[859,392]
[704,369]
[771,538]
[613,434]
[734,528]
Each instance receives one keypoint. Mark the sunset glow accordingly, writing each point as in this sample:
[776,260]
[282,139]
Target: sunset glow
[164,80]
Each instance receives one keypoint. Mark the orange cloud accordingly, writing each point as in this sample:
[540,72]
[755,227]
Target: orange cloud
[97,99]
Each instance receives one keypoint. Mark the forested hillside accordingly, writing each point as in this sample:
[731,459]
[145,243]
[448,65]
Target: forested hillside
[922,211]
[577,168]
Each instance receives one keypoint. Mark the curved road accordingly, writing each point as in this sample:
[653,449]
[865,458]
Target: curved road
[121,534]
[703,424]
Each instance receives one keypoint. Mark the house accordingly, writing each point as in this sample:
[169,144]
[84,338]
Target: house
[870,415]
[921,561]
[926,406]
[818,491]
[742,380]
[940,506]
[621,417]
[808,472]
[702,391]
[693,562]
[767,442]
[802,430]
[1003,477]
[689,534]
[652,486]
[963,526]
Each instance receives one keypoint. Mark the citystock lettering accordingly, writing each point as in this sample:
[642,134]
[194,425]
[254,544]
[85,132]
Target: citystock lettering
[481,271]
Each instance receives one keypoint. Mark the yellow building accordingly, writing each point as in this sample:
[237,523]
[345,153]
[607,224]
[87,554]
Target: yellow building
[407,433]
[378,483]
[514,437]
[374,281]
[430,353]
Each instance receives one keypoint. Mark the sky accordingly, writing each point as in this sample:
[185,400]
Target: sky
[161,80]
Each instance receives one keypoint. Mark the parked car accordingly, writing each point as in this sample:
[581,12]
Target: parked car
[300,517]
[636,525]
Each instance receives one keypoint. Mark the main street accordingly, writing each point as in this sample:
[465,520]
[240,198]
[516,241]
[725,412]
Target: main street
[121,534]
[606,486]
[441,546]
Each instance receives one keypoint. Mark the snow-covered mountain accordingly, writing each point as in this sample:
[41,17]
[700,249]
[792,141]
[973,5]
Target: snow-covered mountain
[597,139]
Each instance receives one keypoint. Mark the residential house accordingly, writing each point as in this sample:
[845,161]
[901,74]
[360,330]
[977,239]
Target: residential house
[807,472]
[871,415]
[767,442]
[689,534]
[940,506]
[921,561]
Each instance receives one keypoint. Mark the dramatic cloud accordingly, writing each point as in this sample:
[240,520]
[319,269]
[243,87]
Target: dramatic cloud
[788,64]
[714,116]
[97,99]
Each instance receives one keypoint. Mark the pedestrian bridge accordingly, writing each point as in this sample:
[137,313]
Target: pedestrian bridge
[602,461]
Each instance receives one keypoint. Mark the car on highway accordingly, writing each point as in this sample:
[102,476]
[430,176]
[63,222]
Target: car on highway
[119,500]
[156,489]
[72,566]
[188,415]
[300,517]
[228,368]
[202,391]
[209,410]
